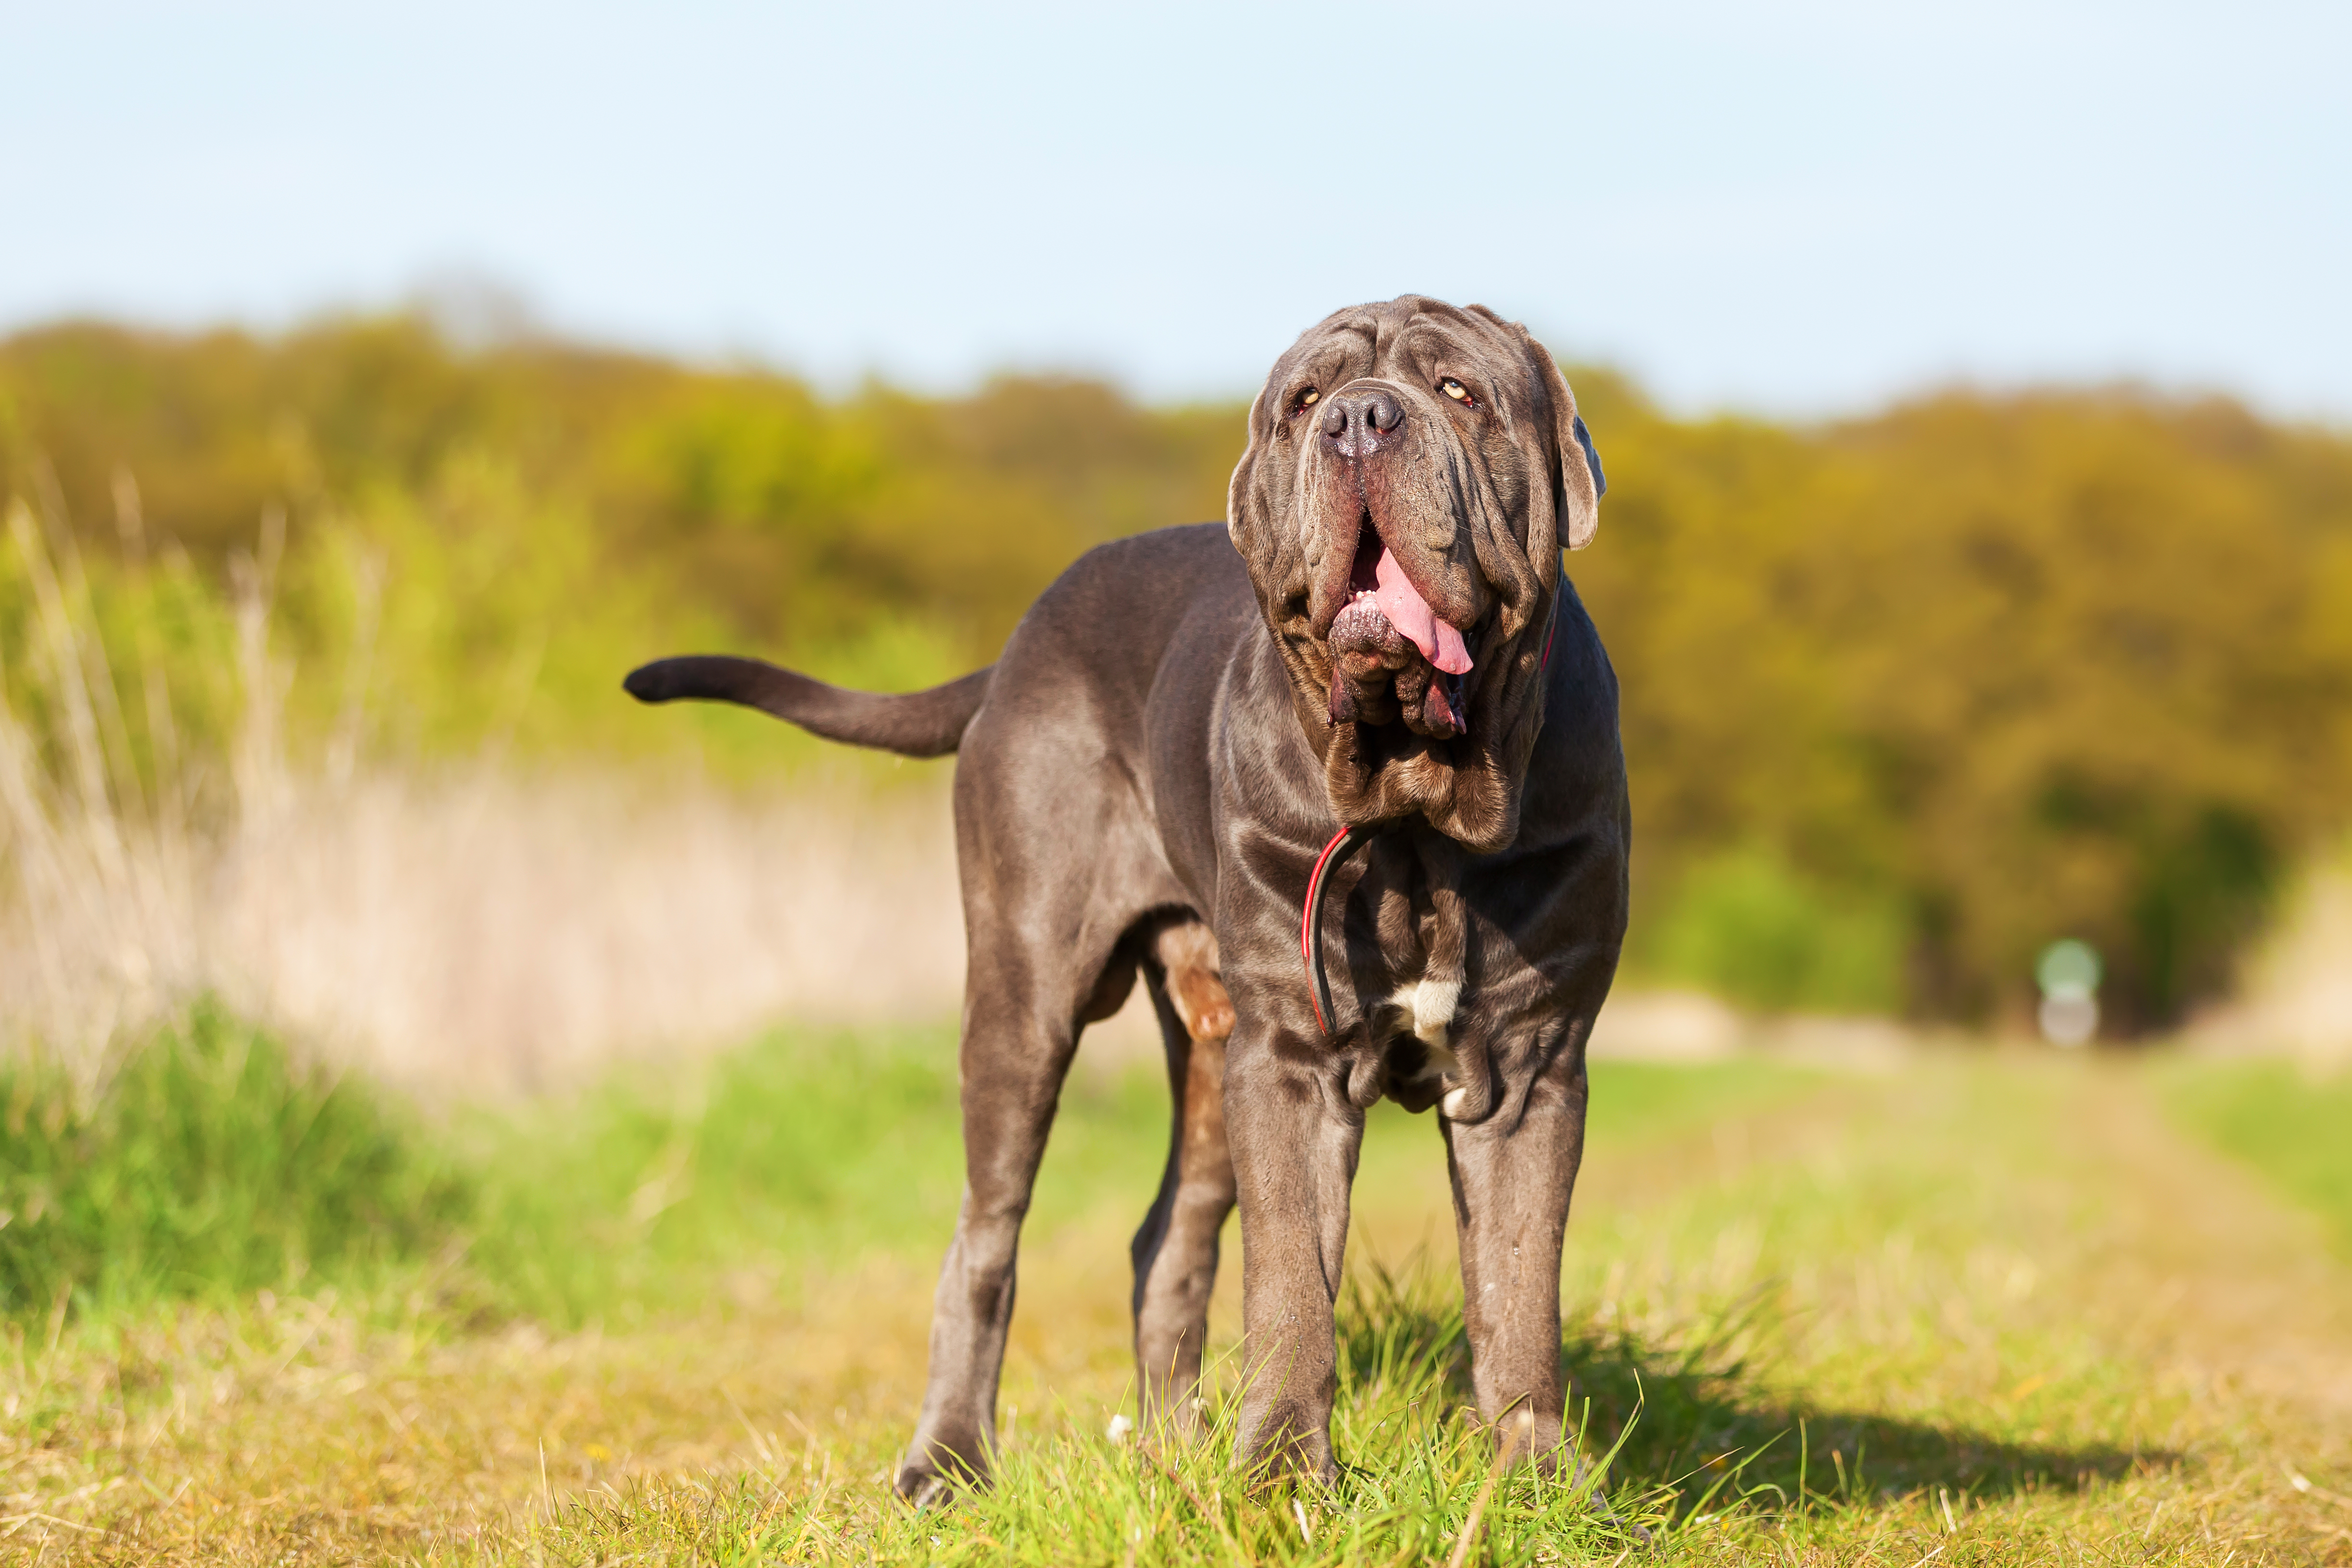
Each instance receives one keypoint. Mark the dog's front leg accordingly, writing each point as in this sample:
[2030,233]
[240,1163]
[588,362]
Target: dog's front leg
[1294,1140]
[1512,1173]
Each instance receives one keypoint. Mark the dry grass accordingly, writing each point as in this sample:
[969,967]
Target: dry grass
[466,928]
[486,932]
[479,931]
[2298,993]
[98,935]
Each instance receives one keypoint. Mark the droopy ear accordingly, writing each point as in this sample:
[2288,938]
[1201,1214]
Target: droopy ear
[1577,496]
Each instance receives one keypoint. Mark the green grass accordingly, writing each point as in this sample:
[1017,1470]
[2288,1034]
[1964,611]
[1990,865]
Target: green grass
[680,1316]
[623,1199]
[1636,1100]
[814,1145]
[207,1164]
[1422,1472]
[211,1163]
[2294,1128]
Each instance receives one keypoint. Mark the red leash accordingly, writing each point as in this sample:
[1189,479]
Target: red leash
[1343,843]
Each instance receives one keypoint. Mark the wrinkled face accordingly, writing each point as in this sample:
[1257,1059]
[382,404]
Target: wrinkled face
[1413,472]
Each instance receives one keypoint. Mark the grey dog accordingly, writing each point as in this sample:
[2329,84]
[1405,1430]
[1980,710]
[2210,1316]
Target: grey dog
[1381,637]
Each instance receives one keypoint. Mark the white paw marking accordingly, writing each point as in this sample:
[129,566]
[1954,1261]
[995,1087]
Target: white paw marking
[1428,1006]
[1433,1002]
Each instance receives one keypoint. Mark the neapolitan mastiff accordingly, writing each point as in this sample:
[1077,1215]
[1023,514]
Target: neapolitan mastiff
[1161,774]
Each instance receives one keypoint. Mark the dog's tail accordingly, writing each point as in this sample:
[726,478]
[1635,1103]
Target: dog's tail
[915,724]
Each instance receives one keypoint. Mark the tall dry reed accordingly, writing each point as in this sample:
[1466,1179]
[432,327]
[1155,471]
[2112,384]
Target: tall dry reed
[481,929]
[100,932]
[471,927]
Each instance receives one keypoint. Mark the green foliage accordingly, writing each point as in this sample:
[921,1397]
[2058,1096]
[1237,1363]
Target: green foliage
[209,1164]
[2012,668]
[788,523]
[2295,1129]
[477,546]
[1747,927]
[2031,667]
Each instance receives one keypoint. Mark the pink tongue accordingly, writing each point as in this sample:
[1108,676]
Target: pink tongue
[1407,611]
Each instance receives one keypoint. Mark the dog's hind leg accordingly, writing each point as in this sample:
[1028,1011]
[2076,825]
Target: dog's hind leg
[1051,949]
[1175,1252]
[1014,1058]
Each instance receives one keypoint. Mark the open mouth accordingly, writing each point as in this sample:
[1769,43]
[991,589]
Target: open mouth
[1378,583]
[1393,657]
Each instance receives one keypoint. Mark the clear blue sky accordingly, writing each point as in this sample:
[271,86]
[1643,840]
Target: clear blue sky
[1796,209]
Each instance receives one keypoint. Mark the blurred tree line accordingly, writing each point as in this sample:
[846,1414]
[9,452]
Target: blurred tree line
[1906,697]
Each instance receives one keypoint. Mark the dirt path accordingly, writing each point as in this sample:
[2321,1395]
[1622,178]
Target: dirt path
[2236,1286]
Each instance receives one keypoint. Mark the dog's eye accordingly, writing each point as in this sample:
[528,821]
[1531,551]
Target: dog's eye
[1455,390]
[1308,396]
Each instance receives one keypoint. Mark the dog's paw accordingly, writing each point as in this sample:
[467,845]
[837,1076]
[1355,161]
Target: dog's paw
[920,1486]
[935,1474]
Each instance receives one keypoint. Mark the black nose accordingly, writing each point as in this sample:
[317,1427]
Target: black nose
[1355,422]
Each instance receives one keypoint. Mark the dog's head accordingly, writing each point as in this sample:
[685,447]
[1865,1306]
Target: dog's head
[1413,471]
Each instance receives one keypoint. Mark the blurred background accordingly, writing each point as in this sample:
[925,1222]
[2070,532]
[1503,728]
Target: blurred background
[378,385]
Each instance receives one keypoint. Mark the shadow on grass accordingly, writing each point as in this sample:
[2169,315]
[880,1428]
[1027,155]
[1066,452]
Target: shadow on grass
[1691,1418]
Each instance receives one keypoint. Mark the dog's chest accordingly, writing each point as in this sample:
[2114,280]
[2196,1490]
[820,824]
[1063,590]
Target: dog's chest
[1424,1009]
[1446,988]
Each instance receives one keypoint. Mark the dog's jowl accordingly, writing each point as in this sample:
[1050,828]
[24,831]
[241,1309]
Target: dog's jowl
[1379,637]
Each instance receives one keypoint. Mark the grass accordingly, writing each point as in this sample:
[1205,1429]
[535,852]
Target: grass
[209,1164]
[1988,1309]
[2292,1127]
